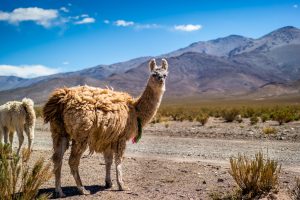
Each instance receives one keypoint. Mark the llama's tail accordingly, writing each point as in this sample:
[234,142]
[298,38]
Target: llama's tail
[28,105]
[53,109]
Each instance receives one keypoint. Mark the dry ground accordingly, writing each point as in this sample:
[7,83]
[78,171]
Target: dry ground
[181,160]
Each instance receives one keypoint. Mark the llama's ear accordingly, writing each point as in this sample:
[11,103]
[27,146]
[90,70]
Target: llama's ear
[164,64]
[152,64]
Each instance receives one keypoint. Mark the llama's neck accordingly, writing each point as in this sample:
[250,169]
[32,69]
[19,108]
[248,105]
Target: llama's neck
[148,103]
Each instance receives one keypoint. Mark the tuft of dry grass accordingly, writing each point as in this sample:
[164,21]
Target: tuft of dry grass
[254,176]
[269,130]
[19,181]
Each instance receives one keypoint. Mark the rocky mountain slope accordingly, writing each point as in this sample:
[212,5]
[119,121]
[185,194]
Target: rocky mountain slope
[226,67]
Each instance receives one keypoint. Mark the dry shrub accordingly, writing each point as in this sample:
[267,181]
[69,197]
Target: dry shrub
[269,130]
[18,181]
[254,176]
[254,120]
[295,192]
[230,115]
[202,118]
[283,115]
[38,111]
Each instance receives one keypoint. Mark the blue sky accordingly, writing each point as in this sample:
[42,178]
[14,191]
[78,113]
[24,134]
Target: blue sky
[40,37]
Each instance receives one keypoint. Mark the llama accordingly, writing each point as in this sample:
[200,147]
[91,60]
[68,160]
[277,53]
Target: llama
[102,120]
[16,116]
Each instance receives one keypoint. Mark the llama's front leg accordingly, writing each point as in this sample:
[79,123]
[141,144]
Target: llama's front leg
[108,157]
[76,152]
[120,149]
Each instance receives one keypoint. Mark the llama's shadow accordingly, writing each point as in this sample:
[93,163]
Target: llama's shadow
[71,191]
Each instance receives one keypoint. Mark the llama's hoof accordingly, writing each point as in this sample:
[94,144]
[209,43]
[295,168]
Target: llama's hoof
[108,184]
[83,191]
[60,194]
[123,188]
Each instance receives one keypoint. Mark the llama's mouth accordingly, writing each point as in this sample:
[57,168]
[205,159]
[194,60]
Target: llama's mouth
[161,82]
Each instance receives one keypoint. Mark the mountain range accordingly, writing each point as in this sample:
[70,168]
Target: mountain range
[229,67]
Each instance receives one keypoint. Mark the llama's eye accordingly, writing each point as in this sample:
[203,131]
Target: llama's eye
[165,75]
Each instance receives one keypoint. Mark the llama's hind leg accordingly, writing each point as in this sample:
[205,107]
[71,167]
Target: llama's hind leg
[77,150]
[5,134]
[30,136]
[108,157]
[21,140]
[119,152]
[60,145]
[11,139]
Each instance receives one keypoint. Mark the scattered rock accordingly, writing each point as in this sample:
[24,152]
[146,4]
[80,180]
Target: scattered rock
[220,180]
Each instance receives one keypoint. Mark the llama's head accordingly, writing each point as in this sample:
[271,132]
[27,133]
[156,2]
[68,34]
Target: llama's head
[158,74]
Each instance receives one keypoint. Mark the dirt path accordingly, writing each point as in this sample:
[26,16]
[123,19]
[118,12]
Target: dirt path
[198,149]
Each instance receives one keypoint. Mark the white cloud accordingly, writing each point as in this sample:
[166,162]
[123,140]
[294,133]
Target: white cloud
[187,27]
[40,16]
[147,26]
[64,9]
[295,6]
[65,63]
[86,20]
[124,23]
[106,21]
[84,15]
[26,71]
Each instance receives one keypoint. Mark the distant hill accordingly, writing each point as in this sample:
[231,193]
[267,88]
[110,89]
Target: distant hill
[229,67]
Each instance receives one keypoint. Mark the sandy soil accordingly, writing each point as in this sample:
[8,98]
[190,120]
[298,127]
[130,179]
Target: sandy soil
[181,160]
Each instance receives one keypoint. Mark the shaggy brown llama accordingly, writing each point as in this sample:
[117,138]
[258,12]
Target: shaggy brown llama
[102,120]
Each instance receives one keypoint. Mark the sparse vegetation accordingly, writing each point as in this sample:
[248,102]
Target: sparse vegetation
[232,111]
[254,176]
[269,130]
[18,181]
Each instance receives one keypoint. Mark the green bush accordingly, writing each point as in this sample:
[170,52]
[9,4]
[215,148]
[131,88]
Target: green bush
[18,181]
[264,117]
[282,116]
[254,176]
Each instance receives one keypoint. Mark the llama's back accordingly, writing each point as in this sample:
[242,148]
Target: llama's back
[13,115]
[84,98]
